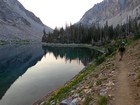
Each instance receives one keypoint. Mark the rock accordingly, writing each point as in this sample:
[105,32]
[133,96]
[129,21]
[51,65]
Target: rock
[112,72]
[70,101]
[103,92]
[110,83]
[52,103]
[101,75]
[74,101]
[137,76]
[42,103]
[131,74]
[75,95]
[83,100]
[72,91]
[87,91]
[66,101]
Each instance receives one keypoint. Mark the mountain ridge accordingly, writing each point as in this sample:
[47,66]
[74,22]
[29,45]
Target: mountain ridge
[17,23]
[113,12]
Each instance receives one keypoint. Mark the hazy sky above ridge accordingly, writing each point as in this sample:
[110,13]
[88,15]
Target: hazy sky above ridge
[56,13]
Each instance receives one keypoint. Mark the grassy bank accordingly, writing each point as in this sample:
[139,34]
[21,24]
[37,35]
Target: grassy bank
[65,91]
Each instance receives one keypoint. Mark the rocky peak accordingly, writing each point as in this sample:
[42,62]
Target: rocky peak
[107,10]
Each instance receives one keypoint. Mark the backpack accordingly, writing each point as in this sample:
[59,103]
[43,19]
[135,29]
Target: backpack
[122,47]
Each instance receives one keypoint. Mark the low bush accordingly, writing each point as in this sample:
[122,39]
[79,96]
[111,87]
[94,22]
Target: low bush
[102,100]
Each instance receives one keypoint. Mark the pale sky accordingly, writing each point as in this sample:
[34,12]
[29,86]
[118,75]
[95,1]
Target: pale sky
[56,13]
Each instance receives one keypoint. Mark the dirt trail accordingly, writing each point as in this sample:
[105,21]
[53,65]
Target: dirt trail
[123,90]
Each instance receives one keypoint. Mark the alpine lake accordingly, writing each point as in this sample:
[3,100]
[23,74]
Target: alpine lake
[30,72]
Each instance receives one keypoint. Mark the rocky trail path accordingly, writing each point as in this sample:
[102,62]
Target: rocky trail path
[127,86]
[123,89]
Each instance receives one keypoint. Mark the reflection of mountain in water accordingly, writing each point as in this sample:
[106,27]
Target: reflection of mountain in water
[15,60]
[84,55]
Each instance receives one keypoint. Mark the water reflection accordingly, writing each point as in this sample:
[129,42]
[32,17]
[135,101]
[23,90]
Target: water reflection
[15,60]
[41,69]
[72,53]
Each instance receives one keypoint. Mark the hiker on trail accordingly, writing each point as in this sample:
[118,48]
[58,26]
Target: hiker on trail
[121,50]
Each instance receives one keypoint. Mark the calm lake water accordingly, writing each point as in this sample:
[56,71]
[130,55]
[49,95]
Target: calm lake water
[29,72]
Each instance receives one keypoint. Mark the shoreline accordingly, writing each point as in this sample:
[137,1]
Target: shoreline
[66,45]
[42,100]
[85,70]
[100,49]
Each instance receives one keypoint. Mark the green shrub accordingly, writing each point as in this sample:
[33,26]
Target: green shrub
[98,82]
[100,59]
[102,100]
[136,37]
[87,100]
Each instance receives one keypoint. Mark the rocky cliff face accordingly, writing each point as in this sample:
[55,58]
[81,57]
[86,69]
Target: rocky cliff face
[112,12]
[17,23]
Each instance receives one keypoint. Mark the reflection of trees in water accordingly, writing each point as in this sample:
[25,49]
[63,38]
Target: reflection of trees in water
[20,58]
[84,55]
